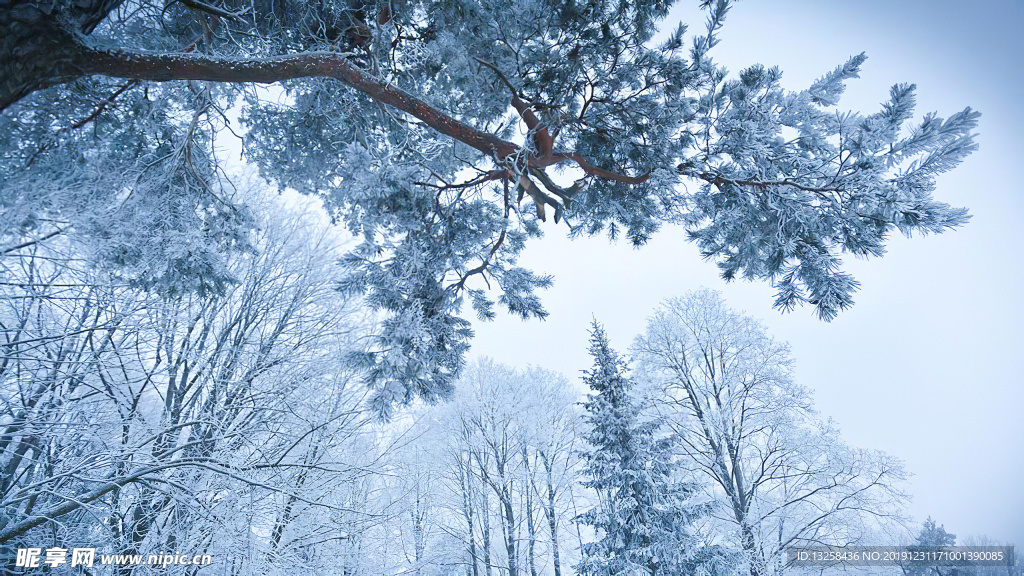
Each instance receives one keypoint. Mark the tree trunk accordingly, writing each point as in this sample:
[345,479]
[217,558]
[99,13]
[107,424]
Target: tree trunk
[39,46]
[754,555]
[510,536]
[532,535]
[532,542]
[467,509]
[417,531]
[549,511]
[487,533]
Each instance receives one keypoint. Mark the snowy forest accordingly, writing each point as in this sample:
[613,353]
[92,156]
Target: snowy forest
[243,244]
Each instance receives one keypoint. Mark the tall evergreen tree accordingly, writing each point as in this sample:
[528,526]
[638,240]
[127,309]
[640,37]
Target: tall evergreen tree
[644,516]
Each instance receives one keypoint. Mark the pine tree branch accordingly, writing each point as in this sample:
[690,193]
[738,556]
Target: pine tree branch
[541,137]
[592,170]
[32,242]
[213,10]
[164,67]
[103,105]
[719,180]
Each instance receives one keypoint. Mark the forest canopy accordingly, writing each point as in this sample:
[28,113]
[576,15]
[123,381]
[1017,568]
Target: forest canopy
[443,135]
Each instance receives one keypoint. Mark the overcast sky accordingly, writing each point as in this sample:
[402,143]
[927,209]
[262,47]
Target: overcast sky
[927,365]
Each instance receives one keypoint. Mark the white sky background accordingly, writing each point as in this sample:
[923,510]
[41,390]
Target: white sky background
[927,364]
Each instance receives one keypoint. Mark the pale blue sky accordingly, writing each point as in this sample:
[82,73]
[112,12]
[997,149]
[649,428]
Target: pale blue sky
[928,363]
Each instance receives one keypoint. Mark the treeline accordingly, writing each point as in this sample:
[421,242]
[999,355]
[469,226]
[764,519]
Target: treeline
[231,422]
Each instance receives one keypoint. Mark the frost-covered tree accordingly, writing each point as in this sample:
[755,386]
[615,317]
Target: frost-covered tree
[933,534]
[1016,567]
[483,484]
[512,434]
[423,124]
[645,515]
[779,474]
[137,422]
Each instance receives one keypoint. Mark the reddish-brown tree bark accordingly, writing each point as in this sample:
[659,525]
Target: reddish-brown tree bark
[162,67]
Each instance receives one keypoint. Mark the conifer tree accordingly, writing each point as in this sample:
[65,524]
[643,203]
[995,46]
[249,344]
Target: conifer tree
[932,535]
[445,135]
[644,517]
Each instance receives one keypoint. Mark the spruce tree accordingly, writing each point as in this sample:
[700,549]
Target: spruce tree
[644,516]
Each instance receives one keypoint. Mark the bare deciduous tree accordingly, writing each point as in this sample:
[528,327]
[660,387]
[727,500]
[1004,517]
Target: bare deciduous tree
[139,422]
[781,475]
